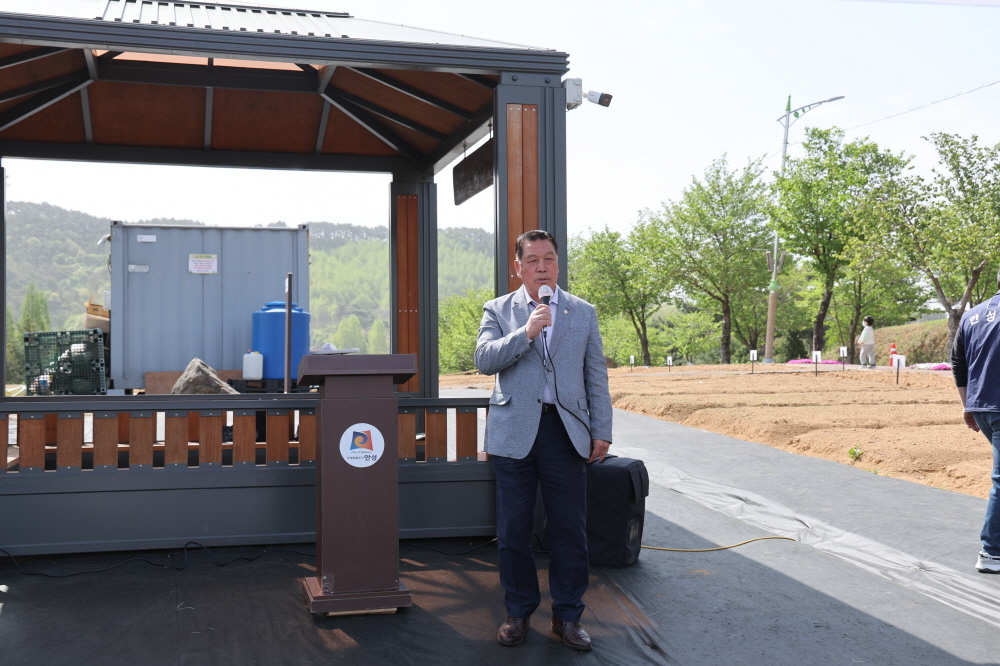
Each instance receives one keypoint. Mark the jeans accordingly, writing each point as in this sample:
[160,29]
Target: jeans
[989,423]
[563,475]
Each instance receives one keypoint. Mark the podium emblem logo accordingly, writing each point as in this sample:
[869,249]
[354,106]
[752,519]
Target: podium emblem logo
[362,440]
[361,445]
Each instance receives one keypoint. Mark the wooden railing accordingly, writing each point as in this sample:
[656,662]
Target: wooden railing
[78,433]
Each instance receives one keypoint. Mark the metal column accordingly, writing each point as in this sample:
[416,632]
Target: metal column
[415,193]
[545,171]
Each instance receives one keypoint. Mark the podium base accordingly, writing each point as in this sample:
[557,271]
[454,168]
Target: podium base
[359,603]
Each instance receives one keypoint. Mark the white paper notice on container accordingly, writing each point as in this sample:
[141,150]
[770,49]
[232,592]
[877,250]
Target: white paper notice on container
[145,239]
[138,268]
[204,264]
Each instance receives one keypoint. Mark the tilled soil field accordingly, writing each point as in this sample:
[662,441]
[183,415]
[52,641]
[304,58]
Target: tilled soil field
[858,417]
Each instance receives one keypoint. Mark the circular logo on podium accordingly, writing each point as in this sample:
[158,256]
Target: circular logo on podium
[361,445]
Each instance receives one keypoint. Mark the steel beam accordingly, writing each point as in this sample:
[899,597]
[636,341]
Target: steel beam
[480,80]
[88,128]
[41,85]
[91,63]
[373,125]
[208,76]
[343,95]
[209,103]
[40,101]
[414,92]
[108,56]
[28,56]
[324,120]
[467,134]
[200,157]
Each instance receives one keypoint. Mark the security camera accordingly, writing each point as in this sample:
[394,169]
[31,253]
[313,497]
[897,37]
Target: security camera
[604,99]
[574,95]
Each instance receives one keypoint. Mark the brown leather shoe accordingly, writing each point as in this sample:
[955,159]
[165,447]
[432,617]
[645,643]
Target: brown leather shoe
[512,631]
[572,634]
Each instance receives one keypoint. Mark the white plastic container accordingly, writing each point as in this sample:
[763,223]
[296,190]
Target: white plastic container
[253,365]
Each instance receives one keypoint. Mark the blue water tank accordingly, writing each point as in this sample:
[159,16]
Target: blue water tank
[269,338]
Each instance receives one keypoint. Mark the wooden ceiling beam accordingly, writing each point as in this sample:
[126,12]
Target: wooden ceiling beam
[413,91]
[40,101]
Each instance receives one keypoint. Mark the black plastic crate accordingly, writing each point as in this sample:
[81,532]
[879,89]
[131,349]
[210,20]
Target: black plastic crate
[65,363]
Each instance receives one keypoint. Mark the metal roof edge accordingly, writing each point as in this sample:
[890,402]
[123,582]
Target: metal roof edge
[177,40]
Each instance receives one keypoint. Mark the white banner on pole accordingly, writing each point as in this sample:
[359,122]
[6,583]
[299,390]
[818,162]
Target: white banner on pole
[817,356]
[898,361]
[843,352]
[670,360]
[753,354]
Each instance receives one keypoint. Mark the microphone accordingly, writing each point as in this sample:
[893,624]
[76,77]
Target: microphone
[545,293]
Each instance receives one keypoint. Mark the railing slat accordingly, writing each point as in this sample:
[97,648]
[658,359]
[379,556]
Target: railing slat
[307,438]
[194,429]
[408,436]
[31,441]
[210,439]
[6,440]
[106,441]
[124,429]
[50,429]
[175,440]
[69,442]
[244,438]
[141,433]
[466,435]
[436,436]
[277,436]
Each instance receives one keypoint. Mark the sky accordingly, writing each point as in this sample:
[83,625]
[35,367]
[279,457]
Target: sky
[692,81]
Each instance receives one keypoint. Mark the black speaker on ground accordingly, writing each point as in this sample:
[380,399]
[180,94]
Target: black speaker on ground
[616,508]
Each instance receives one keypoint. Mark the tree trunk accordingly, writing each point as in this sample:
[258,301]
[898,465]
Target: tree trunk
[644,342]
[954,318]
[853,332]
[725,354]
[819,335]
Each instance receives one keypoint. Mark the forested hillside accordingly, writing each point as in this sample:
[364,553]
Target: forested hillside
[57,250]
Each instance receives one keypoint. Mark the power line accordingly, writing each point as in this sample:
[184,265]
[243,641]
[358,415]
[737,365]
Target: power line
[922,106]
[901,113]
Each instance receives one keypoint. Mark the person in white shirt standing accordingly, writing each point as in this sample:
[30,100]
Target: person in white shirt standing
[867,342]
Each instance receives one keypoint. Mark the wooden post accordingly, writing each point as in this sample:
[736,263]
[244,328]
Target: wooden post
[357,477]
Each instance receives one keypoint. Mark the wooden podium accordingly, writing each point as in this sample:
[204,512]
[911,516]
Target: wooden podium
[357,482]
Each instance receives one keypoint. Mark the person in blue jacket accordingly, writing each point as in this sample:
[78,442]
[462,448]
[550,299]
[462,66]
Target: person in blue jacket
[975,362]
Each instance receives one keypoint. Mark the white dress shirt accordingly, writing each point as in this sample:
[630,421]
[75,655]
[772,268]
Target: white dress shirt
[547,396]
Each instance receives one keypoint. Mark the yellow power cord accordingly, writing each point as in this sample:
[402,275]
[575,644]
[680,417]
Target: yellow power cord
[705,550]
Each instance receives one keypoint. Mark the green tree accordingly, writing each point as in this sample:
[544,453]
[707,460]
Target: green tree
[709,238]
[378,340]
[622,276]
[34,311]
[690,335]
[820,197]
[15,351]
[350,335]
[949,230]
[459,316]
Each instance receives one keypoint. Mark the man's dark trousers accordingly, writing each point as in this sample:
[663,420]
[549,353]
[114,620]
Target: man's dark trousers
[563,475]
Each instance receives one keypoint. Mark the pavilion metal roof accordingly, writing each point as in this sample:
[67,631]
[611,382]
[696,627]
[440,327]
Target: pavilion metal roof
[193,83]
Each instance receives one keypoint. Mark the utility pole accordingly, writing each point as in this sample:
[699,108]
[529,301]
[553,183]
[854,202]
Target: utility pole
[776,260]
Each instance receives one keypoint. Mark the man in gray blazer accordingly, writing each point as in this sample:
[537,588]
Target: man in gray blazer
[550,415]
